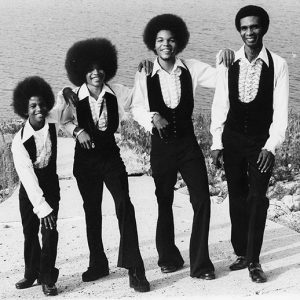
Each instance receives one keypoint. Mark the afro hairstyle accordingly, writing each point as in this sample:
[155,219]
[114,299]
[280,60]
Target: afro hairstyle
[85,53]
[166,22]
[252,10]
[27,88]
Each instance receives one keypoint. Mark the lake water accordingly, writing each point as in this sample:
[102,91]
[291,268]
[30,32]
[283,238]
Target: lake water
[35,35]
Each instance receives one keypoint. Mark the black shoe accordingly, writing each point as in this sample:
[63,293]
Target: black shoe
[26,283]
[256,273]
[138,280]
[170,268]
[239,264]
[92,274]
[210,275]
[49,290]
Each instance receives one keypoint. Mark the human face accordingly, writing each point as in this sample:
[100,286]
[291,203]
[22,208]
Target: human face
[251,32]
[95,76]
[165,45]
[37,111]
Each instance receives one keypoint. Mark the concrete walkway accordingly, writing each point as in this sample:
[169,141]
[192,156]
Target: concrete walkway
[280,255]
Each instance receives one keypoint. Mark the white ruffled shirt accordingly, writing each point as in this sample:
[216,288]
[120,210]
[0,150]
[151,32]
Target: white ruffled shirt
[99,110]
[169,82]
[220,106]
[69,117]
[202,74]
[23,163]
[43,147]
[249,79]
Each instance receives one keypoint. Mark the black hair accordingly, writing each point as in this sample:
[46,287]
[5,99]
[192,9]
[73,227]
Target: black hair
[27,88]
[252,10]
[166,22]
[84,54]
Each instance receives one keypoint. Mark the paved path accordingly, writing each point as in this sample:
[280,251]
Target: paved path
[280,255]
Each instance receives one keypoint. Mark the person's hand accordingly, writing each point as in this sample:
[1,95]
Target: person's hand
[85,140]
[226,57]
[217,157]
[69,96]
[147,65]
[160,124]
[265,161]
[49,221]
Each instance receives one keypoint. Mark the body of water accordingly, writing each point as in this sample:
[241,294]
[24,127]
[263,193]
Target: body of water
[36,34]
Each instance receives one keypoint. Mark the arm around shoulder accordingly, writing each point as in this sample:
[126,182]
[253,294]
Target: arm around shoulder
[140,105]
[220,108]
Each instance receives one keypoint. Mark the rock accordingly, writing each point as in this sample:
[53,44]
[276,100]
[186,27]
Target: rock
[214,190]
[288,201]
[296,202]
[277,208]
[292,202]
[216,199]
[179,184]
[297,192]
[184,190]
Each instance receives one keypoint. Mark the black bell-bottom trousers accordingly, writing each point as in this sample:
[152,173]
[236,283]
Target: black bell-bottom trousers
[167,159]
[247,188]
[40,261]
[91,172]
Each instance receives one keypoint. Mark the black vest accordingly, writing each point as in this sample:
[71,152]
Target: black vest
[104,140]
[179,118]
[47,177]
[253,118]
[30,146]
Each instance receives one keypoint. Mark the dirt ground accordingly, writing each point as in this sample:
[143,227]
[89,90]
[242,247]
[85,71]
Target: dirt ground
[280,255]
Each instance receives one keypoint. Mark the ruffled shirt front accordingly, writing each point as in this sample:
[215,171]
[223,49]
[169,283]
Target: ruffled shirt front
[170,84]
[43,147]
[202,74]
[249,79]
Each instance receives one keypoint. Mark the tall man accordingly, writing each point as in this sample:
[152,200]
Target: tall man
[249,119]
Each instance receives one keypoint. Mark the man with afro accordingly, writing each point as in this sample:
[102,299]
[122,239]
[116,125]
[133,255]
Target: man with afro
[163,104]
[249,119]
[90,64]
[34,150]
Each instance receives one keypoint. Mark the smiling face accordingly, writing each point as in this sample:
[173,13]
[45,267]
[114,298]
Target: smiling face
[251,32]
[37,112]
[165,45]
[95,77]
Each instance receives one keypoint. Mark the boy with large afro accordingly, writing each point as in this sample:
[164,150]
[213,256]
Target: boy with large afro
[90,64]
[34,150]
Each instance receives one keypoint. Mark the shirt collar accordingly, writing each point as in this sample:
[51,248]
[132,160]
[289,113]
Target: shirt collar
[240,54]
[157,67]
[28,131]
[84,91]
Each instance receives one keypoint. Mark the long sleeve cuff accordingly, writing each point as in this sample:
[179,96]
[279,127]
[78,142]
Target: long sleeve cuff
[270,147]
[42,209]
[216,146]
[216,139]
